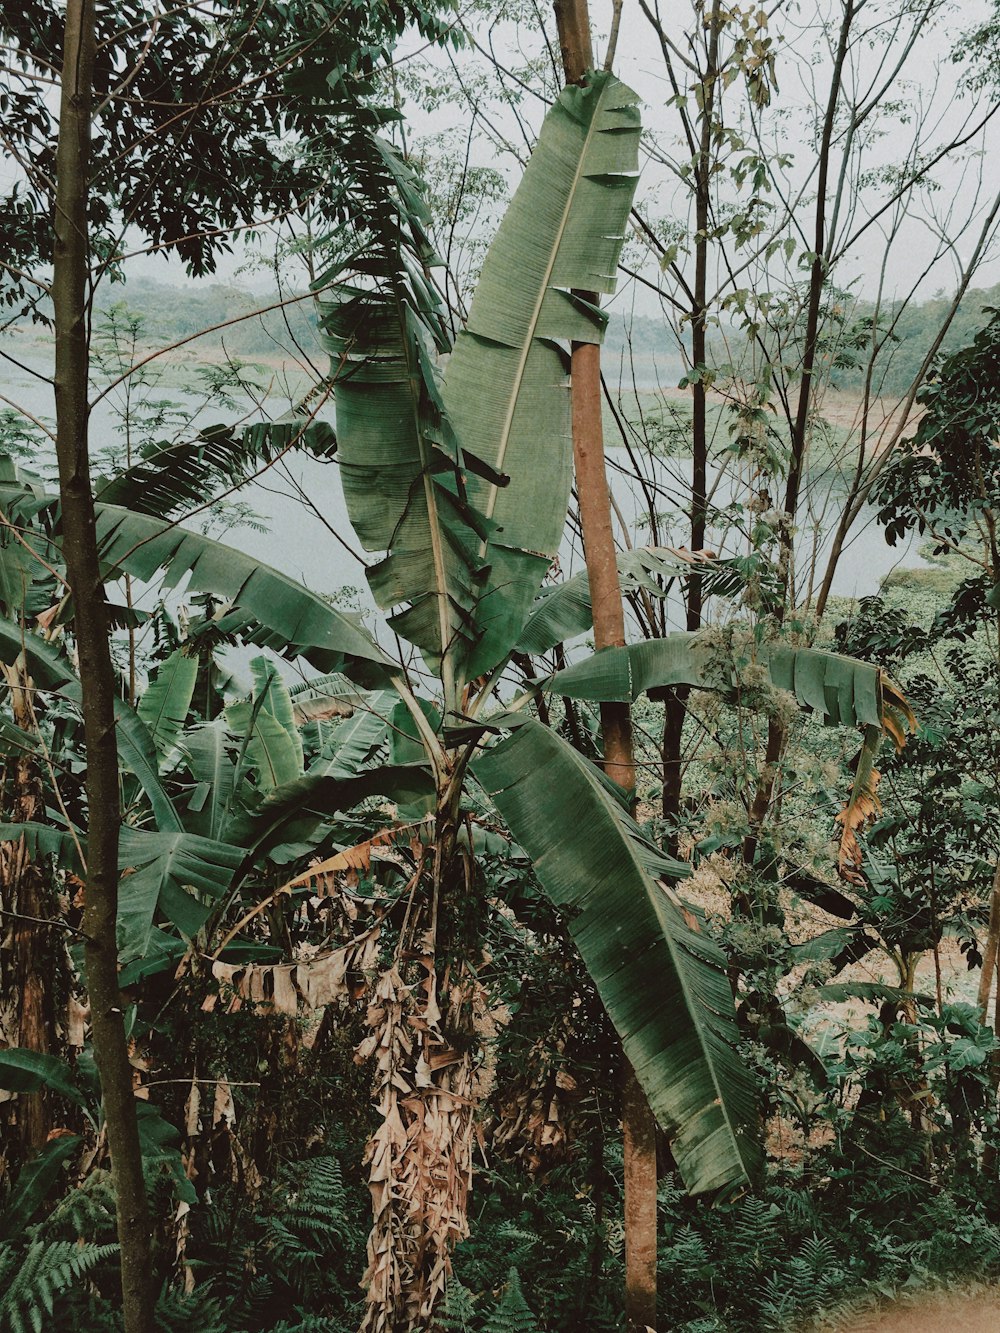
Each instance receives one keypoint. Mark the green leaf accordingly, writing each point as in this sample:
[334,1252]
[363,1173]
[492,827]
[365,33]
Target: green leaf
[506,386]
[158,1142]
[164,706]
[357,738]
[209,756]
[273,747]
[175,476]
[268,607]
[31,1071]
[175,872]
[44,840]
[874,991]
[400,466]
[563,611]
[33,1183]
[663,983]
[841,690]
[295,811]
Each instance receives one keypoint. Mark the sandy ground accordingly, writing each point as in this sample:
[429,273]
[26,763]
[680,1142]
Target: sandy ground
[949,1312]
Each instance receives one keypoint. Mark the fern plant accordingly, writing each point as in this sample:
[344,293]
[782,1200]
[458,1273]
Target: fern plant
[511,1314]
[459,1313]
[32,1278]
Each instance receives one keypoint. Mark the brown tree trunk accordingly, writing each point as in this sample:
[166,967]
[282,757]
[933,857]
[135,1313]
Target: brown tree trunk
[91,627]
[616,724]
[990,950]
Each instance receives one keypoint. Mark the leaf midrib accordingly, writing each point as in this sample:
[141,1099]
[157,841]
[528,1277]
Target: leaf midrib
[543,290]
[692,1004]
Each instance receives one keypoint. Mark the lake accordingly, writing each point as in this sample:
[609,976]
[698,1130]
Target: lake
[310,538]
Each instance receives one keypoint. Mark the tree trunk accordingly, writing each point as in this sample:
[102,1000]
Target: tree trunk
[675,701]
[990,950]
[616,723]
[91,627]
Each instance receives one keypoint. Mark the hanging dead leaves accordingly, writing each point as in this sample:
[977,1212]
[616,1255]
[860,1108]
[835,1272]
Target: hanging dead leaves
[863,805]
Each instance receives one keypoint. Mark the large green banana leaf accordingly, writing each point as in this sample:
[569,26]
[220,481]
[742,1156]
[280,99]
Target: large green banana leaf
[270,739]
[293,813]
[662,982]
[400,461]
[840,689]
[464,482]
[173,477]
[209,751]
[358,738]
[180,873]
[164,705]
[175,872]
[506,389]
[268,607]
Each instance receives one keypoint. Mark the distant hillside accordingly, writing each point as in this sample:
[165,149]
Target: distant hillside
[638,348]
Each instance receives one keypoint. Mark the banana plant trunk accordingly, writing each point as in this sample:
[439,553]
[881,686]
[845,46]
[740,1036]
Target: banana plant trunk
[38,955]
[72,363]
[423,1039]
[639,1125]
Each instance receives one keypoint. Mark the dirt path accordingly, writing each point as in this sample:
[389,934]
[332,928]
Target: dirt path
[949,1312]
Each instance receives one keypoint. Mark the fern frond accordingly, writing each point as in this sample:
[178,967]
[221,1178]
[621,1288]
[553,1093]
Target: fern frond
[189,1312]
[512,1315]
[41,1273]
[458,1313]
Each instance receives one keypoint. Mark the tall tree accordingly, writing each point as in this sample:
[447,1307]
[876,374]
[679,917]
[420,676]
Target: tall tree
[70,275]
[593,496]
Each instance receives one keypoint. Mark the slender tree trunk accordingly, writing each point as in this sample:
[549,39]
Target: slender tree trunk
[990,950]
[800,426]
[675,700]
[699,316]
[817,281]
[616,724]
[70,308]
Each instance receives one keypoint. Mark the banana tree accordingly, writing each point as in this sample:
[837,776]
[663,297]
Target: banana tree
[458,480]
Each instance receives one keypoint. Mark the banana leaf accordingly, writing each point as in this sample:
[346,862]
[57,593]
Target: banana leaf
[506,387]
[357,739]
[209,752]
[271,742]
[876,992]
[839,689]
[294,812]
[401,465]
[662,981]
[269,608]
[179,873]
[172,871]
[34,1181]
[165,704]
[171,477]
[562,612]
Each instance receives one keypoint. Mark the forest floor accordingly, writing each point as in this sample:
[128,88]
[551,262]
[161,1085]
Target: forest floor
[976,1311]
